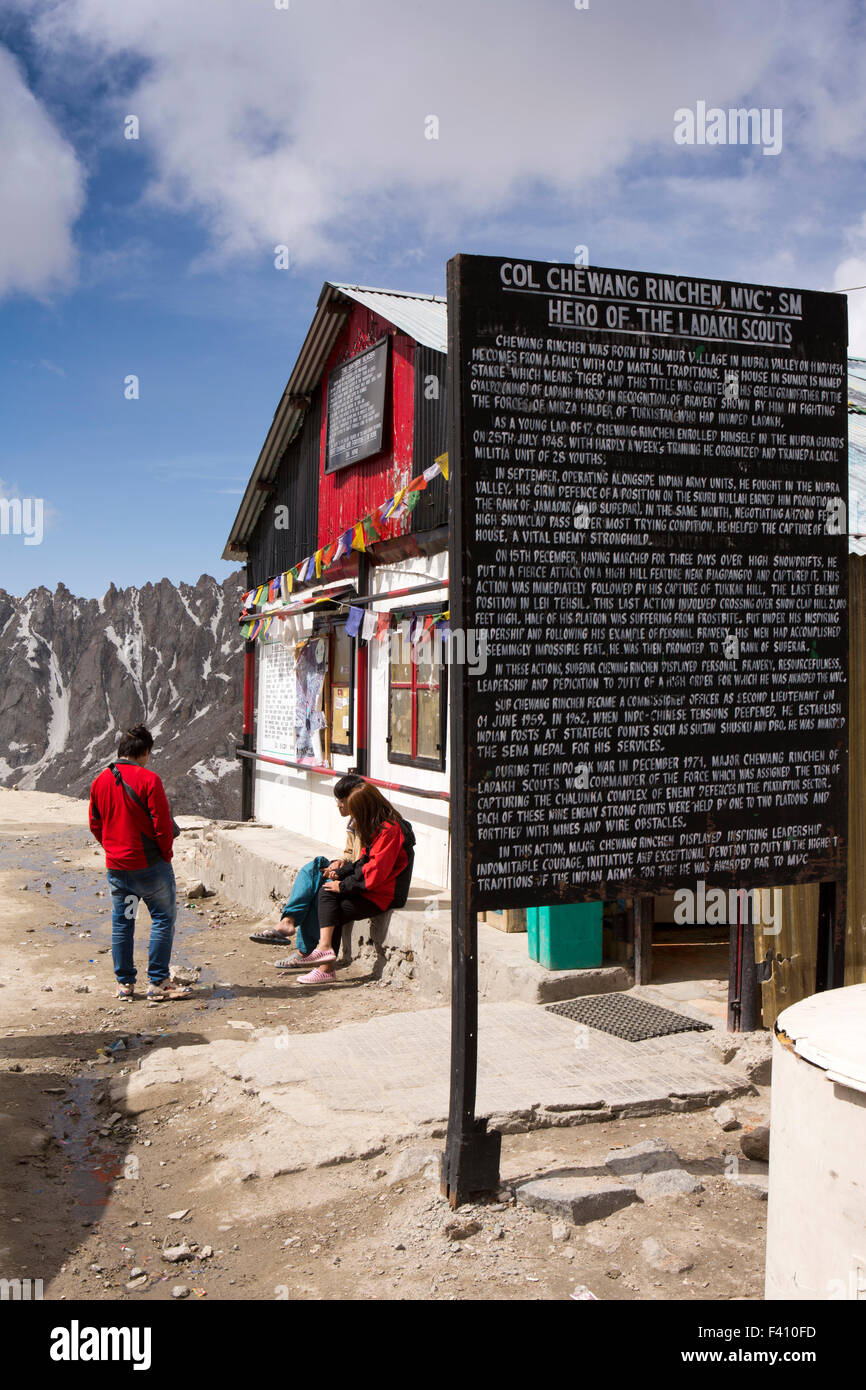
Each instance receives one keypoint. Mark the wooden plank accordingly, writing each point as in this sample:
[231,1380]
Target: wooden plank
[855,934]
[644,912]
[792,953]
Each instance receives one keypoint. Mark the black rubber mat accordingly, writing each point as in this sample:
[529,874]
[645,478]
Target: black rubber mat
[627,1017]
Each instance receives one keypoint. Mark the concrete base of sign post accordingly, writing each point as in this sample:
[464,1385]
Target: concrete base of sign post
[255,866]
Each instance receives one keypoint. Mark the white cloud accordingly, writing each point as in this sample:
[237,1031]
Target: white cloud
[41,190]
[306,126]
[849,273]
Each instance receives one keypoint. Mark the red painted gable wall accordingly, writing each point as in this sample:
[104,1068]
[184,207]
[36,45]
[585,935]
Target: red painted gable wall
[351,493]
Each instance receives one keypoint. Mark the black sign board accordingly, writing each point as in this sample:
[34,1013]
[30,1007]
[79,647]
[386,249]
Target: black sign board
[648,492]
[356,407]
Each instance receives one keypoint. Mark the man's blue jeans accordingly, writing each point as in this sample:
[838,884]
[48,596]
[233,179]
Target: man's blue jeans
[155,887]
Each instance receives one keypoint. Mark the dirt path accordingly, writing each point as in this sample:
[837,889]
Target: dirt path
[90,1195]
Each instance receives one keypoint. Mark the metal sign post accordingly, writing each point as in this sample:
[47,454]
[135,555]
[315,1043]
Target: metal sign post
[648,498]
[470,1163]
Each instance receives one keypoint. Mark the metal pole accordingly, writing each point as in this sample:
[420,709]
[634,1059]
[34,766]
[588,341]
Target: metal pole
[362,717]
[830,961]
[248,738]
[750,999]
[322,771]
[734,974]
[470,1163]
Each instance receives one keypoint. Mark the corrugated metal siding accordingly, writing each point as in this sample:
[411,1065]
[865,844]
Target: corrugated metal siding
[272,551]
[351,493]
[431,438]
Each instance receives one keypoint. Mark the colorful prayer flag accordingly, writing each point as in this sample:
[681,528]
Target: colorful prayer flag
[431,472]
[442,461]
[358,540]
[368,627]
[353,622]
[383,624]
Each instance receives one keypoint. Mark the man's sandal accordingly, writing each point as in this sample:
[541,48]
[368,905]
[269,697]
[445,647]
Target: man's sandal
[157,994]
[271,937]
[125,992]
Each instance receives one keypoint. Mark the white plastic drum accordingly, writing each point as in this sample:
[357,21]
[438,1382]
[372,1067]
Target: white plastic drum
[816,1218]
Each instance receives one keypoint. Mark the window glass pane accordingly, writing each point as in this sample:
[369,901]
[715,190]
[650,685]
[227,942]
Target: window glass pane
[428,723]
[427,670]
[341,673]
[401,670]
[401,722]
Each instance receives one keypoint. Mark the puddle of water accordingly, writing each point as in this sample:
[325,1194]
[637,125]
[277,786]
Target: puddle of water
[92,1162]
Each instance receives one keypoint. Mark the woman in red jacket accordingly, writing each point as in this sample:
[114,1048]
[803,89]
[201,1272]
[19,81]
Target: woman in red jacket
[376,882]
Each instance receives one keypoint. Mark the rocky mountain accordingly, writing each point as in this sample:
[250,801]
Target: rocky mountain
[75,672]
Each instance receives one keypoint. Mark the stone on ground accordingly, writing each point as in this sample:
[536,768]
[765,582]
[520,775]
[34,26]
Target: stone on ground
[575,1197]
[412,1163]
[725,1117]
[650,1156]
[673,1182]
[457,1229]
[658,1257]
[751,1054]
[758,1183]
[755,1143]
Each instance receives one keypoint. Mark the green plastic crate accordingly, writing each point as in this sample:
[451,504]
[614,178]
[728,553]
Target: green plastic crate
[565,937]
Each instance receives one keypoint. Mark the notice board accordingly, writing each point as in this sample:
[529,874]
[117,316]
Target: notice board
[356,407]
[648,514]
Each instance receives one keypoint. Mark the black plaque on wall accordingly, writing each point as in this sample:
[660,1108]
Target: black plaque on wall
[648,494]
[356,407]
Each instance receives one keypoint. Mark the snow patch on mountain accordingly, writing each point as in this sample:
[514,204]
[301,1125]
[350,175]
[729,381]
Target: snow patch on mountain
[75,672]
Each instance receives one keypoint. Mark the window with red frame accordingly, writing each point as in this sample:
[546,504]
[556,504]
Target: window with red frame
[417,703]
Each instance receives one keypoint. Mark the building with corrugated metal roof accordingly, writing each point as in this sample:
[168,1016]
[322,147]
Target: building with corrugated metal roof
[363,415]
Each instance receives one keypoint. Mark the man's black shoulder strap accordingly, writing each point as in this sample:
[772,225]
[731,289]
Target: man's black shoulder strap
[142,805]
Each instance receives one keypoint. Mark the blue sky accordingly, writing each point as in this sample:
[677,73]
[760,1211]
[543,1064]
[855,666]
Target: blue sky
[305,126]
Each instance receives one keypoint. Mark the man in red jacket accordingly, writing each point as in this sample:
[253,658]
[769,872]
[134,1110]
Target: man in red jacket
[130,817]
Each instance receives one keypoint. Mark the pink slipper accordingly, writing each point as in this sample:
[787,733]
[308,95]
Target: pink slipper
[320,953]
[316,977]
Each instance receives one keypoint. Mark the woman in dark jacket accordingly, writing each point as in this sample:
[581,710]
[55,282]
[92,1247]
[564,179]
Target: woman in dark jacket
[376,882]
